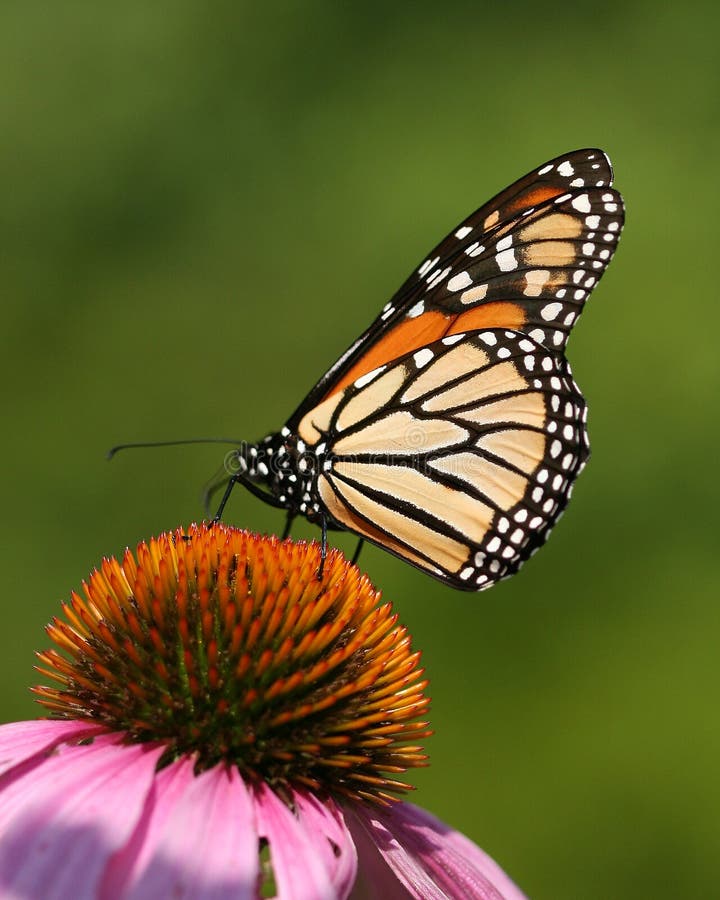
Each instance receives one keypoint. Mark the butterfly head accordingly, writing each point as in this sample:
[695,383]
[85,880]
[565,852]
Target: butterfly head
[282,465]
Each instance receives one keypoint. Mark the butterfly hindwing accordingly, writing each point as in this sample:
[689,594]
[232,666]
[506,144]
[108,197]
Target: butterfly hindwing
[458,457]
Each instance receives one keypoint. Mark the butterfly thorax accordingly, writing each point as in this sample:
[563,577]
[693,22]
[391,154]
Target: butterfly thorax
[284,465]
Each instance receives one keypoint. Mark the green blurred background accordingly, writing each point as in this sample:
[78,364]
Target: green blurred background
[203,204]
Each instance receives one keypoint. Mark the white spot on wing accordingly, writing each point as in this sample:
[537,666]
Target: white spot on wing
[422,357]
[463,232]
[369,376]
[436,278]
[550,311]
[506,261]
[459,281]
[427,265]
[581,203]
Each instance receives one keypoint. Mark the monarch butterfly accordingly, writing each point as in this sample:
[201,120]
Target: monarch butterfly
[451,431]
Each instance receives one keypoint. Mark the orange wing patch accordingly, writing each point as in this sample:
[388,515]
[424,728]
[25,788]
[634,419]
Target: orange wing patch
[413,334]
[538,194]
[406,336]
[490,315]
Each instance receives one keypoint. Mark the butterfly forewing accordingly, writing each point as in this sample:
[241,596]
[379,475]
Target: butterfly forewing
[458,457]
[536,272]
[571,173]
[527,260]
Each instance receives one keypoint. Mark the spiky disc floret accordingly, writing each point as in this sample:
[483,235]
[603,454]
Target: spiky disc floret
[227,645]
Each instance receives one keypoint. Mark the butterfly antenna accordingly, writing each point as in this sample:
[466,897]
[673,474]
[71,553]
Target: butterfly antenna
[136,444]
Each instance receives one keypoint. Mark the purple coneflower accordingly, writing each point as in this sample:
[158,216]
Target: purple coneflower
[227,725]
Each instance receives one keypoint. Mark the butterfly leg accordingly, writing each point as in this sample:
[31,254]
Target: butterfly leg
[232,481]
[356,554]
[288,525]
[323,546]
[240,478]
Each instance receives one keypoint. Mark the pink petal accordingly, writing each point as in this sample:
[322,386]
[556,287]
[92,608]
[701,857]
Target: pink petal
[431,860]
[198,839]
[386,869]
[338,848]
[375,878]
[470,851]
[298,855]
[62,820]
[21,740]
